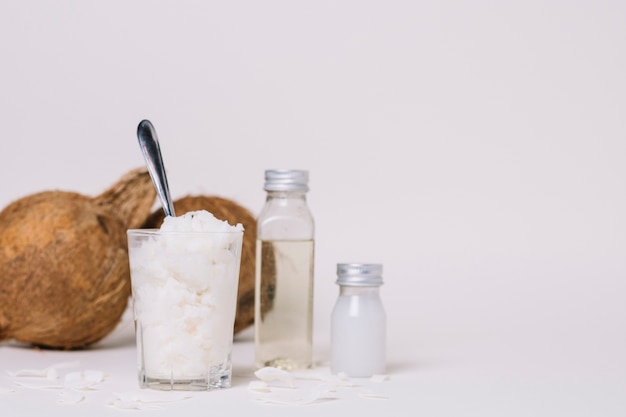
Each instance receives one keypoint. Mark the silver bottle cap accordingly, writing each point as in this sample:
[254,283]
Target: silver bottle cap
[286,180]
[363,275]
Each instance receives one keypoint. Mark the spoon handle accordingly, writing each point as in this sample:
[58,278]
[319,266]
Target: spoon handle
[149,144]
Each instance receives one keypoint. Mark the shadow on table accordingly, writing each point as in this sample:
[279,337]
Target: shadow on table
[404,366]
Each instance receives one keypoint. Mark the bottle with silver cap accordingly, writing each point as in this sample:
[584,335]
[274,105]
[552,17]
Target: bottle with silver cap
[283,320]
[358,324]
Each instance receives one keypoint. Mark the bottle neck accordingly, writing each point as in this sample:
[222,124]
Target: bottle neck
[349,290]
[296,194]
[284,199]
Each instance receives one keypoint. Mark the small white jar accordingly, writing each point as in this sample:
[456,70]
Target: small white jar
[358,325]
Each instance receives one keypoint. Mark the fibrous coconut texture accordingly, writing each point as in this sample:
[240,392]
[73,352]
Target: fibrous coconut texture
[65,279]
[232,212]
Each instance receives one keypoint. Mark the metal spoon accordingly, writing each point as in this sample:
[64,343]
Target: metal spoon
[151,150]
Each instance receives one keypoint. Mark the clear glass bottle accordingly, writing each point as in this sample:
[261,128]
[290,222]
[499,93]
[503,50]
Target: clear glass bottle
[283,309]
[358,323]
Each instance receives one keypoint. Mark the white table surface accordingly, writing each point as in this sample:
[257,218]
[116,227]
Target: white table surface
[472,376]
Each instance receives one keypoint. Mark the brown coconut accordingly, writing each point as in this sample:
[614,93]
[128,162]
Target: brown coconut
[65,279]
[233,213]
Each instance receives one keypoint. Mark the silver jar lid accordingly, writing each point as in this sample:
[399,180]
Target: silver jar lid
[286,180]
[364,275]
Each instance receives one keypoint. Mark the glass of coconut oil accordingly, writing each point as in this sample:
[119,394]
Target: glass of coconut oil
[184,289]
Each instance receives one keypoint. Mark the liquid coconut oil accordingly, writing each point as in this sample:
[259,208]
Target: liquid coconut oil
[285,316]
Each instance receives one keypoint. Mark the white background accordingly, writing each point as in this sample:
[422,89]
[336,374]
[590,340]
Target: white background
[475,148]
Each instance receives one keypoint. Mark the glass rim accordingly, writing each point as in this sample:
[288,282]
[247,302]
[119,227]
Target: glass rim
[159,232]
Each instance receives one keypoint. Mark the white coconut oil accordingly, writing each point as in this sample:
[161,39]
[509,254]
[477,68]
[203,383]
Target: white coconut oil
[358,325]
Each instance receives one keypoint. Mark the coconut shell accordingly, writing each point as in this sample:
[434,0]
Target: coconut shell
[65,279]
[233,213]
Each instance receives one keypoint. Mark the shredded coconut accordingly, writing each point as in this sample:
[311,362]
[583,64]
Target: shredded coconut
[74,387]
[270,387]
[317,394]
[198,221]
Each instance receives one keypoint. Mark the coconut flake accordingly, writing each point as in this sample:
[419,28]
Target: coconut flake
[365,393]
[83,380]
[322,392]
[270,374]
[6,390]
[305,394]
[379,378]
[70,396]
[50,373]
[317,394]
[258,386]
[37,385]
[49,379]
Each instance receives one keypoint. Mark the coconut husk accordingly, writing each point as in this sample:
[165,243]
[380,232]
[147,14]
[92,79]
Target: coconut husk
[233,213]
[65,279]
